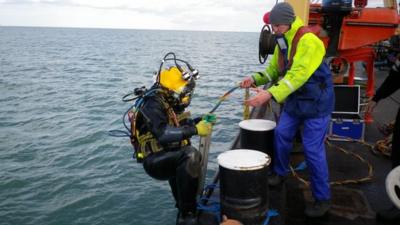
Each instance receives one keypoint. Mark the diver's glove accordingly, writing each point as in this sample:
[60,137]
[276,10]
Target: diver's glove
[209,117]
[203,128]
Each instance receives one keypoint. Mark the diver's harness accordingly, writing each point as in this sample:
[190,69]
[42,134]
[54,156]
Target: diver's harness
[145,143]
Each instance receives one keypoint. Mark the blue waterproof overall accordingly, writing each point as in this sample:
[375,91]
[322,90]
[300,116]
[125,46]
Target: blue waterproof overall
[310,106]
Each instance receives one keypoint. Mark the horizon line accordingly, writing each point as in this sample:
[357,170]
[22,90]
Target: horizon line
[119,28]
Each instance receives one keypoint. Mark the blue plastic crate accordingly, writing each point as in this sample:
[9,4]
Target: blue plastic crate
[346,124]
[346,129]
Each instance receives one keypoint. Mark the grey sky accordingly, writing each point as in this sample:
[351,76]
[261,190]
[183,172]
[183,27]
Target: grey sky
[222,15]
[225,15]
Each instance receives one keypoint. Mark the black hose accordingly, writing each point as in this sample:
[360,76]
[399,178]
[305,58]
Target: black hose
[122,133]
[223,98]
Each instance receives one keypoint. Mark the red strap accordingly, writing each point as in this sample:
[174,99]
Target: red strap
[281,62]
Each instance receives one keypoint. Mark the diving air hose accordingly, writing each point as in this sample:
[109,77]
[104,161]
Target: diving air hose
[246,111]
[223,98]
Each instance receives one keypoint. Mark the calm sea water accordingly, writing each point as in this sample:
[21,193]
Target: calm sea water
[60,93]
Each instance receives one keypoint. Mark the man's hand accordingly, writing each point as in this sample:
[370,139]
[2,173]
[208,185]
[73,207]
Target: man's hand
[226,221]
[260,98]
[247,82]
[371,105]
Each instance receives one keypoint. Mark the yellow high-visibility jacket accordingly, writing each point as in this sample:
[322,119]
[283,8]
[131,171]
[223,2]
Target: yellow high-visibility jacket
[308,57]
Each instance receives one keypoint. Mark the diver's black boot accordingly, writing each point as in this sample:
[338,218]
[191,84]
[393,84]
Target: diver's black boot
[318,209]
[389,215]
[187,219]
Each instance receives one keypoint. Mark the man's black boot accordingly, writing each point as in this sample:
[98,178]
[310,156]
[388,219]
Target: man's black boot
[318,208]
[186,219]
[275,179]
[389,215]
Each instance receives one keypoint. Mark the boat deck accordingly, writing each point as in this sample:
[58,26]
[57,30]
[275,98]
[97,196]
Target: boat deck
[351,203]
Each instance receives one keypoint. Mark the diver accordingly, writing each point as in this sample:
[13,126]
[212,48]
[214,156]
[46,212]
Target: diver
[161,130]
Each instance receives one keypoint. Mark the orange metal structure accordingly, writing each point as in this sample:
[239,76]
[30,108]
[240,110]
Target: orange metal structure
[358,31]
[367,26]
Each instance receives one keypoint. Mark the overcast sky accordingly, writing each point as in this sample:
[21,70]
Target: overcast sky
[221,15]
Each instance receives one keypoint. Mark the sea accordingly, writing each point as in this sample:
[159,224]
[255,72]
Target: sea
[61,93]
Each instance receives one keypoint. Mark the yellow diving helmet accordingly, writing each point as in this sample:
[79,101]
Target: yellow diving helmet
[172,79]
[178,80]
[180,89]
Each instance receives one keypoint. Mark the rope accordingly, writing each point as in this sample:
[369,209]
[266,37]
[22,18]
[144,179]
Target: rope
[357,156]
[246,110]
[347,181]
[386,129]
[305,182]
[384,146]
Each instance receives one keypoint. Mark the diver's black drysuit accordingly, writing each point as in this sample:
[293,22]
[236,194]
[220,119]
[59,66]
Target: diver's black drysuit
[179,164]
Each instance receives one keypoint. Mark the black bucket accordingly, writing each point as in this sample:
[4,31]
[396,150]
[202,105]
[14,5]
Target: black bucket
[258,134]
[243,185]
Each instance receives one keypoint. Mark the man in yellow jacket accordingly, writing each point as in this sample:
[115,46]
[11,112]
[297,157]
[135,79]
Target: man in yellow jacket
[306,90]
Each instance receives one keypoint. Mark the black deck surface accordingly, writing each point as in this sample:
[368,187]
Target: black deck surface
[351,203]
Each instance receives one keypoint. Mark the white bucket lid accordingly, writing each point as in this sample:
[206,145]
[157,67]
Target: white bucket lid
[243,159]
[393,181]
[257,125]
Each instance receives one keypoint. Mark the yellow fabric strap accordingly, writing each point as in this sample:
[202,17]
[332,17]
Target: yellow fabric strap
[144,141]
